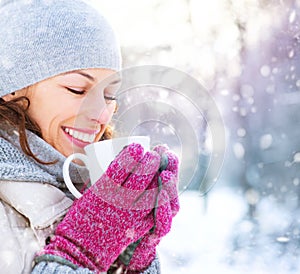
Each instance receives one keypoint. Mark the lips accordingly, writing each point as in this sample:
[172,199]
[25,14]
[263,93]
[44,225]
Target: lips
[81,135]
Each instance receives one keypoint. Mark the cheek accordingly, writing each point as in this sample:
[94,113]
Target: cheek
[39,115]
[47,125]
[49,120]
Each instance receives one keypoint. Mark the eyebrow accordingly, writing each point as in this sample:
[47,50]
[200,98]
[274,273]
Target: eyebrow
[115,82]
[88,76]
[91,78]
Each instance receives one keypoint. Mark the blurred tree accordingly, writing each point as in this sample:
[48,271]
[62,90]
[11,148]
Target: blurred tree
[267,109]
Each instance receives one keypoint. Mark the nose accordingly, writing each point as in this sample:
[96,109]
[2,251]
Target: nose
[96,108]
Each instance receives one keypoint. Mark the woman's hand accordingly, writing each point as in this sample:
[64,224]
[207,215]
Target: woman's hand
[167,208]
[115,212]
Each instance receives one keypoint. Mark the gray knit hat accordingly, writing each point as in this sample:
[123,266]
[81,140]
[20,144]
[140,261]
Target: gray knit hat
[43,38]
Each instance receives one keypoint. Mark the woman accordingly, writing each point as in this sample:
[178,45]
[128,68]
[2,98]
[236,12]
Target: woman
[56,57]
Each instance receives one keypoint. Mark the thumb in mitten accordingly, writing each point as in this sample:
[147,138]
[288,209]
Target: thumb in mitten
[167,206]
[170,176]
[145,251]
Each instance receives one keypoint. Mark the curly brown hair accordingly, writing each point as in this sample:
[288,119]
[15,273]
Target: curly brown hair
[15,112]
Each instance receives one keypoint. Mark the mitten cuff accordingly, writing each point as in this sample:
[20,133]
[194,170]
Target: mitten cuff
[153,268]
[53,258]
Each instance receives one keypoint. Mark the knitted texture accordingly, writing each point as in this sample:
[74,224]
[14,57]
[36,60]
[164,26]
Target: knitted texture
[115,212]
[146,250]
[43,38]
[16,166]
[53,267]
[46,267]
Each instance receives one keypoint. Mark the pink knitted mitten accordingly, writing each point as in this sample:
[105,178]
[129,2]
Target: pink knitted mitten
[167,208]
[113,213]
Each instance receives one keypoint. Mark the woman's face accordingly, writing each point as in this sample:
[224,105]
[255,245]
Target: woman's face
[74,108]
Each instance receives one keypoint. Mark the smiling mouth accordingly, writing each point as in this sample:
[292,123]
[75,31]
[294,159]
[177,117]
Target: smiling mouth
[79,135]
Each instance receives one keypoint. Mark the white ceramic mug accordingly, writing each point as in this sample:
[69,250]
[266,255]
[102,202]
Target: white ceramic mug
[98,156]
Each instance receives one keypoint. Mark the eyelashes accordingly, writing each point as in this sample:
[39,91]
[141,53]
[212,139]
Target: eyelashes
[108,99]
[79,92]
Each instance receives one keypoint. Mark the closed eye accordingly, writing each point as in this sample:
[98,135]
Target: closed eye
[107,98]
[75,91]
[110,98]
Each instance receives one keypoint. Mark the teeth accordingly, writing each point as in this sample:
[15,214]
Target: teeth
[76,134]
[80,136]
[85,137]
[92,138]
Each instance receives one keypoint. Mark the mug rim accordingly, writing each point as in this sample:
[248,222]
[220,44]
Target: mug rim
[145,137]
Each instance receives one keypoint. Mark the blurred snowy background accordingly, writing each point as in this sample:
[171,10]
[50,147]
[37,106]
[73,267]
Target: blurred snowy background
[247,55]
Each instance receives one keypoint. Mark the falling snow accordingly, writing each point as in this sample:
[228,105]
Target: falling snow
[248,53]
[197,244]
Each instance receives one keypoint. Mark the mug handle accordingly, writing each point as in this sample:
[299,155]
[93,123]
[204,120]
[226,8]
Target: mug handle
[66,174]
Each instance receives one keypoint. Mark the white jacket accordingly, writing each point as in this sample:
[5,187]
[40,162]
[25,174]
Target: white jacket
[28,215]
